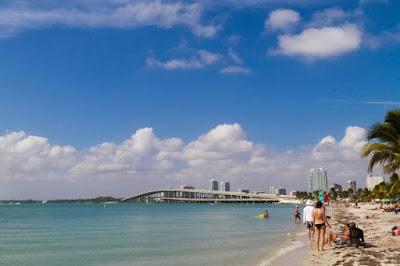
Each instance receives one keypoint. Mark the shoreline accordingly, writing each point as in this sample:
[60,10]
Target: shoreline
[290,251]
[381,247]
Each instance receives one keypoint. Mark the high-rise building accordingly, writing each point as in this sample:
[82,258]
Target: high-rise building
[277,190]
[318,180]
[273,190]
[214,185]
[337,187]
[372,181]
[293,193]
[352,185]
[281,191]
[225,186]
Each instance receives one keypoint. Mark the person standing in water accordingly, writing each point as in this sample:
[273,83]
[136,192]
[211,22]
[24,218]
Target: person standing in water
[320,222]
[296,213]
[308,220]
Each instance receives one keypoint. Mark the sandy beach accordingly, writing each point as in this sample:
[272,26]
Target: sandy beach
[381,247]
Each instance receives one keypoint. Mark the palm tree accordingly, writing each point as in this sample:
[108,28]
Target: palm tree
[383,146]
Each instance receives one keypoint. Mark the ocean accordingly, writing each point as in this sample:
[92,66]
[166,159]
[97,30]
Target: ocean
[141,234]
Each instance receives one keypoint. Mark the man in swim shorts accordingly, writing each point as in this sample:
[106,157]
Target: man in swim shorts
[308,220]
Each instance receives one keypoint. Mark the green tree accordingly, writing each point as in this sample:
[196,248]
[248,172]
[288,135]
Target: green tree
[381,190]
[383,148]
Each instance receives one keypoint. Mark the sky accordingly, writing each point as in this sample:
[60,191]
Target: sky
[115,97]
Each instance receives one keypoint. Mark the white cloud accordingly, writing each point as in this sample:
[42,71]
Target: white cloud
[236,70]
[348,148]
[142,152]
[33,157]
[115,14]
[282,19]
[200,60]
[234,56]
[334,16]
[387,37]
[32,167]
[320,42]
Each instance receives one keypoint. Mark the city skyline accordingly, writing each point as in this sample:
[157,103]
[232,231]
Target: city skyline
[117,97]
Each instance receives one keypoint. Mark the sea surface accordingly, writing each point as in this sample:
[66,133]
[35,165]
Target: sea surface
[140,234]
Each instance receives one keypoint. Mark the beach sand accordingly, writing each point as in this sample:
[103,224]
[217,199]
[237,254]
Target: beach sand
[382,248]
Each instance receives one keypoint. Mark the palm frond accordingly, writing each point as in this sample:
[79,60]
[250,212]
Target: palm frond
[380,157]
[384,132]
[393,118]
[372,147]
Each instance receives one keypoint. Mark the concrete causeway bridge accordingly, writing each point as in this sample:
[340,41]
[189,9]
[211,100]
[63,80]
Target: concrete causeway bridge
[204,196]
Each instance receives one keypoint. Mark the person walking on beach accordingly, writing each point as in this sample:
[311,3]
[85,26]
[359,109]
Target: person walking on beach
[296,213]
[320,222]
[308,220]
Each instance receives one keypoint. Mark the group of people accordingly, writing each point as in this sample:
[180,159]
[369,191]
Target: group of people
[391,208]
[316,222]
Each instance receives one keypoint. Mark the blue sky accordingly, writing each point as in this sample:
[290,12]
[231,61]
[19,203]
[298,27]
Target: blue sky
[288,72]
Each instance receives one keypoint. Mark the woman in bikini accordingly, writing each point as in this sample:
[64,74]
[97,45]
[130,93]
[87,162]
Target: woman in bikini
[320,222]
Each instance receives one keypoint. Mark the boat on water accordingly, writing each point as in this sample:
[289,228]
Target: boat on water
[44,201]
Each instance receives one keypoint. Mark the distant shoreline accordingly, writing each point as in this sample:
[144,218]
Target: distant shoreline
[89,200]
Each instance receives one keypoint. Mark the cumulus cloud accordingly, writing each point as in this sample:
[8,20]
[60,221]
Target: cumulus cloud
[142,152]
[28,163]
[320,42]
[348,148]
[200,60]
[33,157]
[282,19]
[236,70]
[112,14]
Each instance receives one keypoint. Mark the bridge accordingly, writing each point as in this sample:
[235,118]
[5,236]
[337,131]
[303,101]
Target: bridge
[204,196]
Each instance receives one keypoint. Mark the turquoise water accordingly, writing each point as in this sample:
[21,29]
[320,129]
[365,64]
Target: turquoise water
[134,234]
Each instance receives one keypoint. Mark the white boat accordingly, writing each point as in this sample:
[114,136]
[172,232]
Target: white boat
[44,201]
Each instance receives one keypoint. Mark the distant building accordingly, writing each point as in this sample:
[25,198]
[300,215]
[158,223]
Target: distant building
[372,181]
[244,190]
[225,186]
[214,185]
[318,180]
[338,188]
[273,190]
[277,190]
[352,185]
[293,193]
[187,187]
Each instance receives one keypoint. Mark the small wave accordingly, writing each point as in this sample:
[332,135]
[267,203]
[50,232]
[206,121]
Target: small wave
[283,251]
